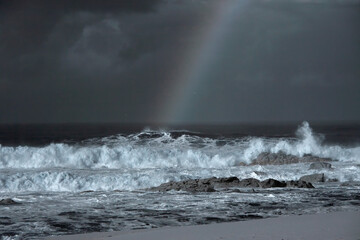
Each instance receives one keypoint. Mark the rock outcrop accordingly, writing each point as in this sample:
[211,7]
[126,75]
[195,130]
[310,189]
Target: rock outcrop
[299,184]
[272,183]
[280,158]
[210,184]
[196,185]
[317,177]
[7,201]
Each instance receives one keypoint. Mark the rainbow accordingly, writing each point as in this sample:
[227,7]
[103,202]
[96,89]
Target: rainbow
[190,73]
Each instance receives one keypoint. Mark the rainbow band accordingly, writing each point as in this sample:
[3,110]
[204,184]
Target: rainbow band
[195,63]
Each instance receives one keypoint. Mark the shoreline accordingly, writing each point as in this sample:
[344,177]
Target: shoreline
[335,225]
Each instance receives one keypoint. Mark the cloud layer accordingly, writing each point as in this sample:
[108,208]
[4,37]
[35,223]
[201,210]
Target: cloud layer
[110,61]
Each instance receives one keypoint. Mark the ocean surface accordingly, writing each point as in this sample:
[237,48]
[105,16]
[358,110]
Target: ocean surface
[71,179]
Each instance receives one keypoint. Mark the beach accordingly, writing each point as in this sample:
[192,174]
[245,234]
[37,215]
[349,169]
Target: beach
[330,226]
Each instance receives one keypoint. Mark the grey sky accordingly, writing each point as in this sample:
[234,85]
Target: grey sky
[110,61]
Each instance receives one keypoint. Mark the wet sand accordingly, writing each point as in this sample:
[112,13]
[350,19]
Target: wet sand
[330,226]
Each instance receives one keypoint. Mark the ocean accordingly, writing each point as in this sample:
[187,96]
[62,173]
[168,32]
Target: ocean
[79,178]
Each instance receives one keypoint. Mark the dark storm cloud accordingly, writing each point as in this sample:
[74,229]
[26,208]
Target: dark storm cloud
[288,61]
[27,26]
[307,42]
[54,56]
[65,61]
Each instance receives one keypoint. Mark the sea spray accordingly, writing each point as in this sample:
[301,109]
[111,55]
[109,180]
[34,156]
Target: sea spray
[161,150]
[149,158]
[102,184]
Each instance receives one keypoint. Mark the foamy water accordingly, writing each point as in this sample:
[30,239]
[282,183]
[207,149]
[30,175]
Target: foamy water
[150,158]
[50,181]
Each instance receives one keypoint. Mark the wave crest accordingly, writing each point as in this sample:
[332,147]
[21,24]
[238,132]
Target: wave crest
[151,149]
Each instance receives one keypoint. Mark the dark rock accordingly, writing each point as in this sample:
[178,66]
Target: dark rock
[320,165]
[274,159]
[346,184]
[209,184]
[87,191]
[196,185]
[310,158]
[280,158]
[299,184]
[254,204]
[249,182]
[317,177]
[7,201]
[270,183]
[224,182]
[234,190]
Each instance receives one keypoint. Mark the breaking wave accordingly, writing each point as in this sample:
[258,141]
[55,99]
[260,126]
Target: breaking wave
[150,149]
[150,158]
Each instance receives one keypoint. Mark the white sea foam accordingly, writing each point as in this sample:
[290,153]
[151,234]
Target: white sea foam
[60,180]
[150,158]
[134,152]
[306,143]
[49,181]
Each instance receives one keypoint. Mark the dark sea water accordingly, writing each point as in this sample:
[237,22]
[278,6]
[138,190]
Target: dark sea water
[81,178]
[42,134]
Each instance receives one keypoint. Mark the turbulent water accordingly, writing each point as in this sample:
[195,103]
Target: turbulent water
[100,184]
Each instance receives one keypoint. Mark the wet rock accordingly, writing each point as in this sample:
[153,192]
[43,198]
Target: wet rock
[320,165]
[317,177]
[224,182]
[271,183]
[209,184]
[299,184]
[249,182]
[234,190]
[195,185]
[7,201]
[280,158]
[231,182]
[274,159]
[87,191]
[311,158]
[255,204]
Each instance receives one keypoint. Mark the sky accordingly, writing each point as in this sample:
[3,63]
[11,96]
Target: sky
[179,61]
